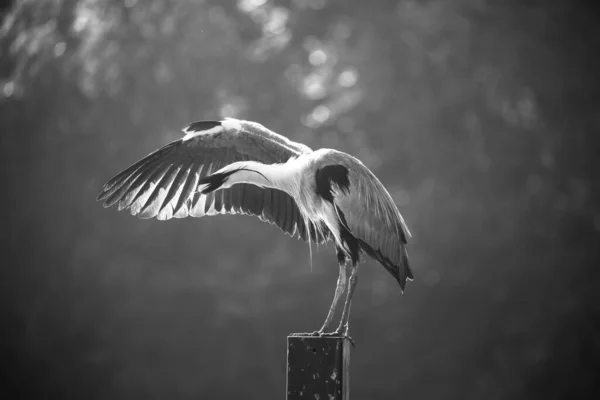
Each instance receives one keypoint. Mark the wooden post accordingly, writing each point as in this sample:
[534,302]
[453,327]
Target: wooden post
[318,368]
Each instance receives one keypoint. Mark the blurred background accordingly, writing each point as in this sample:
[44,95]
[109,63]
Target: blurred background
[481,117]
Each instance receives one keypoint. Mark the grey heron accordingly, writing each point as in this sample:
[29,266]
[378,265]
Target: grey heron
[241,167]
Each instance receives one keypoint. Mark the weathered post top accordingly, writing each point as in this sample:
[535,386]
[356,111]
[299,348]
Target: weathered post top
[318,368]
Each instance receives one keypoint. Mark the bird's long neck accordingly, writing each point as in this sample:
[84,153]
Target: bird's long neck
[276,176]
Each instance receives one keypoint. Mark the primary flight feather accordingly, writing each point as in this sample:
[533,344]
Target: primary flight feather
[241,167]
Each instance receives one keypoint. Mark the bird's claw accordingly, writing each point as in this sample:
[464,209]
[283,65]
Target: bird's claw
[307,334]
[337,333]
[340,334]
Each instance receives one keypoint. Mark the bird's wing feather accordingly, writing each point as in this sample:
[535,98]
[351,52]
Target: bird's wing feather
[164,183]
[373,218]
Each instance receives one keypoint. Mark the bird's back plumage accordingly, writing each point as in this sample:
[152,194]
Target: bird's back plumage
[368,211]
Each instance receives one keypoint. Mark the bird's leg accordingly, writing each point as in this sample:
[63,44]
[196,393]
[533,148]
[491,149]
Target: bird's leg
[339,290]
[342,330]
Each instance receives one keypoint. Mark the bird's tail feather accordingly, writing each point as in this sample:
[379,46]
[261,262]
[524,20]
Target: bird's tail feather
[406,265]
[401,272]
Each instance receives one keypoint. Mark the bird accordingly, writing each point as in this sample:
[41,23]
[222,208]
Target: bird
[233,166]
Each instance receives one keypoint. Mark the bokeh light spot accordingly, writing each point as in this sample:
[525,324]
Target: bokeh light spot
[321,114]
[248,6]
[8,89]
[59,49]
[317,57]
[348,78]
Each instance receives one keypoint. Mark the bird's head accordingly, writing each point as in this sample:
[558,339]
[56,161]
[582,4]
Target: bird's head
[238,172]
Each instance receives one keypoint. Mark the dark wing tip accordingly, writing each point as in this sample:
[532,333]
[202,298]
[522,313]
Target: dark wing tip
[102,197]
[199,126]
[105,193]
[401,271]
[404,271]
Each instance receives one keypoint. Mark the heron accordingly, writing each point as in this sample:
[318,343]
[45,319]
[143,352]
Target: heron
[233,166]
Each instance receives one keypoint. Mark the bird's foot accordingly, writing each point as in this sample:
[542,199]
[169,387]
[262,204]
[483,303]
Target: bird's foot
[307,334]
[342,333]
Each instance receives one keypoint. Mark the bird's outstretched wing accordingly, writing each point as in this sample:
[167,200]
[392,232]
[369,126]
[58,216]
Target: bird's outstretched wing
[370,214]
[164,183]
